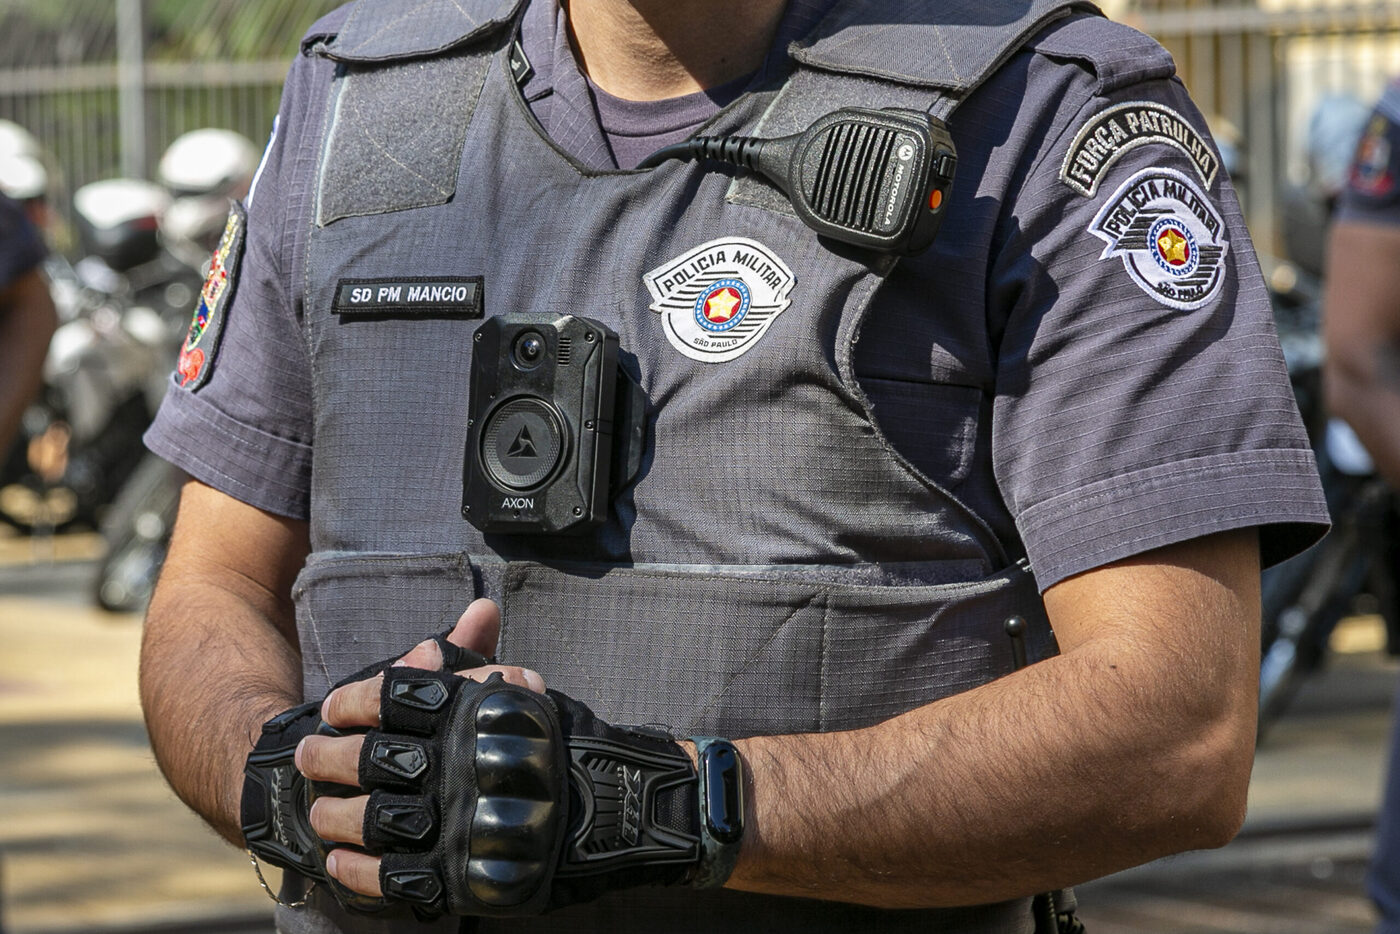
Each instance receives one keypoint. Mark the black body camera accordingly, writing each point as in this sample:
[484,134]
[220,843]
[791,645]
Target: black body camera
[554,427]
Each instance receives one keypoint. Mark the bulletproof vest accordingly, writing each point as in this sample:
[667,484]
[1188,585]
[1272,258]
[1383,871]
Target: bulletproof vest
[777,566]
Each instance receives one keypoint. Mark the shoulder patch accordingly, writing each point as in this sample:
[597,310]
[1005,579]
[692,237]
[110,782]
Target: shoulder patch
[1169,236]
[207,326]
[1372,168]
[1109,134]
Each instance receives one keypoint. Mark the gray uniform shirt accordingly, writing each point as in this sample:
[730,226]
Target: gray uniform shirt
[1061,391]
[1086,358]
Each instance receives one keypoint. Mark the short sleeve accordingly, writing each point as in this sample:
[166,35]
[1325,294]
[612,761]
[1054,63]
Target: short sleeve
[1142,398]
[1372,193]
[245,427]
[21,248]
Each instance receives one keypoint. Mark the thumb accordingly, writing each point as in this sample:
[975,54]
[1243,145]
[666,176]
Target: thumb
[475,631]
[478,628]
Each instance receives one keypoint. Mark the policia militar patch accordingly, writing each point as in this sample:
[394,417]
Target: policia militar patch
[1111,133]
[409,297]
[207,327]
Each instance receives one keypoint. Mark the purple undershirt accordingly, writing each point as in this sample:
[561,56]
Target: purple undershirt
[607,132]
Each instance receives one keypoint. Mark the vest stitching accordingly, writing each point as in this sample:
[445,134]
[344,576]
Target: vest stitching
[402,17]
[947,56]
[749,662]
[825,657]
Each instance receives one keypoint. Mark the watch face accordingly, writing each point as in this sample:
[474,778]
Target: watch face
[724,792]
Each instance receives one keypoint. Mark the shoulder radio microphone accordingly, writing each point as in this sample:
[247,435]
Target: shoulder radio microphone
[877,179]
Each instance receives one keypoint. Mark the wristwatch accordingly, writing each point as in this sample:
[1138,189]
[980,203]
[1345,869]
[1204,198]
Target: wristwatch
[721,786]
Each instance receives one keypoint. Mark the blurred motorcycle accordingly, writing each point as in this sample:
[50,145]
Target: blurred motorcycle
[117,307]
[201,171]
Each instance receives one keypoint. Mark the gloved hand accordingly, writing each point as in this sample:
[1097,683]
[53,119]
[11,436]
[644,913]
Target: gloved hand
[276,799]
[493,799]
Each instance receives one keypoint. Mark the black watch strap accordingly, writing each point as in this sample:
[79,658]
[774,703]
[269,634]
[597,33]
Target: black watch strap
[721,786]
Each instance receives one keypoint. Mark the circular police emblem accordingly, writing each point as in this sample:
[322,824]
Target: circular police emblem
[1168,235]
[718,299]
[723,305]
[1174,247]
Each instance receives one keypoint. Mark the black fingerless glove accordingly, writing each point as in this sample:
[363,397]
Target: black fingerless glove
[275,805]
[276,797]
[491,799]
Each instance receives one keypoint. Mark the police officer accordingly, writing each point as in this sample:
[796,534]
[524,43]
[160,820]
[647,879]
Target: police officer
[1361,326]
[27,316]
[871,485]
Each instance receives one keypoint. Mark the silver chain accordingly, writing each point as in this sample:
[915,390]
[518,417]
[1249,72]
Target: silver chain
[268,889]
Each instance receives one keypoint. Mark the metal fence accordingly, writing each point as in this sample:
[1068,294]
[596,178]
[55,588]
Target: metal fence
[1290,79]
[106,85]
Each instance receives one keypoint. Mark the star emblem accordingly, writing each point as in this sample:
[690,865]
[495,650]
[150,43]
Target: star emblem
[1173,247]
[721,305]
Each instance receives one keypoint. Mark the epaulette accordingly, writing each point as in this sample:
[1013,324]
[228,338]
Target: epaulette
[326,28]
[1118,55]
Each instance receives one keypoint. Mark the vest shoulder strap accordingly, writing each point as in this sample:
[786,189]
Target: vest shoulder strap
[390,30]
[951,46]
[924,55]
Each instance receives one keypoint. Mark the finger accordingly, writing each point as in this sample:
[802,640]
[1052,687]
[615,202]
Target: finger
[478,628]
[520,677]
[340,819]
[425,655]
[356,871]
[354,704]
[330,758]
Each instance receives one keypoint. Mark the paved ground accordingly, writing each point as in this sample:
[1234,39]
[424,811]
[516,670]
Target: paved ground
[92,840]
[90,836]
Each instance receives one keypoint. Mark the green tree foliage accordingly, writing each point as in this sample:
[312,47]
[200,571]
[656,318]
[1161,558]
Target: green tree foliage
[237,30]
[35,33]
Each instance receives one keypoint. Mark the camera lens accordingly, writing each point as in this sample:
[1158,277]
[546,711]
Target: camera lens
[529,350]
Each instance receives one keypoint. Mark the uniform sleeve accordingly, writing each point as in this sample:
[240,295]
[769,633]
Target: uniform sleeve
[245,426]
[1142,398]
[21,248]
[1372,193]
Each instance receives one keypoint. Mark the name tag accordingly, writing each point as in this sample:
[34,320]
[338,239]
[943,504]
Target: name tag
[409,298]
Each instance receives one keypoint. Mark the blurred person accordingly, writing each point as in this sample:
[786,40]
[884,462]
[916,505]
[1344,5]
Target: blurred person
[27,175]
[27,316]
[1329,143]
[871,483]
[1361,328]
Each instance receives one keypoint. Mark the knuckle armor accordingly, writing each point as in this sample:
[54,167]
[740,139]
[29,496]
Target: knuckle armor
[276,802]
[485,798]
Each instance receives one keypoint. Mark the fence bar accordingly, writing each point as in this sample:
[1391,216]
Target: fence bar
[131,99]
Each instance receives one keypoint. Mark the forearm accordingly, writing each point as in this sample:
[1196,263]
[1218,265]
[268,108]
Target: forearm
[1361,327]
[204,709]
[1367,398]
[27,321]
[1106,757]
[218,659]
